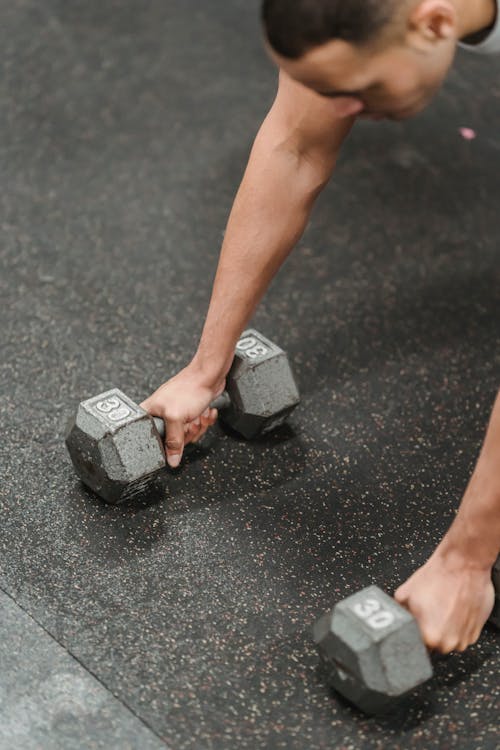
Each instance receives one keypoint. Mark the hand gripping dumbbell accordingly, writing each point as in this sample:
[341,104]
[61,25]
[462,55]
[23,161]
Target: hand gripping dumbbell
[117,448]
[371,650]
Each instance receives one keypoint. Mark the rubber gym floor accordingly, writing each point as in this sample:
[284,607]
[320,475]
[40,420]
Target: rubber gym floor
[184,620]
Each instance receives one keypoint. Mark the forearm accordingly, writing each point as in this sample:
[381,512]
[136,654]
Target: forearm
[475,532]
[268,217]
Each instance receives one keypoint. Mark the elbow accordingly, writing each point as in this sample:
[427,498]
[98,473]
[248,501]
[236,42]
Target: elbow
[305,170]
[315,172]
[312,169]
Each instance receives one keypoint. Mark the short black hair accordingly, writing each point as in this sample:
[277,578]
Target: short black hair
[293,27]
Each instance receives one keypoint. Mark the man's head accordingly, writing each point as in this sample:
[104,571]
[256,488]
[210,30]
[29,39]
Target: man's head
[389,55]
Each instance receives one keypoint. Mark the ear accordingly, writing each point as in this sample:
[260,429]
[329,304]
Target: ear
[432,21]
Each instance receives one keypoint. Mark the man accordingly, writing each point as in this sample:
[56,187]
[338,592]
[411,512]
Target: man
[339,60]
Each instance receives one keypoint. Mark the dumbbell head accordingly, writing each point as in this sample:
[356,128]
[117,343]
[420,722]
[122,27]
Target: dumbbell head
[371,650]
[495,615]
[261,386]
[114,446]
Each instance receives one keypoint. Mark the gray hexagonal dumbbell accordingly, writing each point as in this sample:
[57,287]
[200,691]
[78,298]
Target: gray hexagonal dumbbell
[371,650]
[260,385]
[117,448]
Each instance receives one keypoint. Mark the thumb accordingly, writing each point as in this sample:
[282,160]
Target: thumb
[174,442]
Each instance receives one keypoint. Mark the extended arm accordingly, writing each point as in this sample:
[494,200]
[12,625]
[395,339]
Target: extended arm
[292,158]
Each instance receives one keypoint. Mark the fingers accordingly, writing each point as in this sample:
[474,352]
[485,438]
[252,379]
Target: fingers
[195,430]
[174,442]
[431,638]
[450,606]
[209,417]
[179,433]
[174,433]
[435,639]
[192,431]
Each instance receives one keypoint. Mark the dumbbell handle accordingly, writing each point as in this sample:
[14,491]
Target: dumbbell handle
[221,402]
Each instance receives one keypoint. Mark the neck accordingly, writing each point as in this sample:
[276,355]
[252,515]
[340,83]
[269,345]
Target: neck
[475,16]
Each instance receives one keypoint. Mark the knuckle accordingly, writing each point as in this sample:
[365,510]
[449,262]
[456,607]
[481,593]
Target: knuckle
[399,595]
[432,641]
[174,444]
[199,434]
[475,637]
[172,416]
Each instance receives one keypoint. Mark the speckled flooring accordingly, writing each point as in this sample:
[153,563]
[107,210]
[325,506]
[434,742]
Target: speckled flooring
[185,621]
